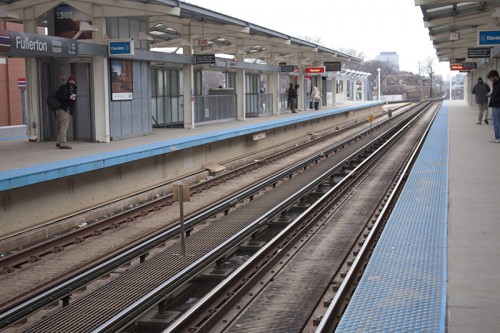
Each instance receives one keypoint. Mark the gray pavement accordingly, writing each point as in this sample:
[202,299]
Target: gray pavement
[473,303]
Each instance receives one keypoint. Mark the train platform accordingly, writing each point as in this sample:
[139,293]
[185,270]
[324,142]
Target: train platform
[435,267]
[25,163]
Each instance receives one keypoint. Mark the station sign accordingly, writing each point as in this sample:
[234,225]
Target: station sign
[470,65]
[287,68]
[23,44]
[202,59]
[223,63]
[460,67]
[314,70]
[488,37]
[454,35]
[121,47]
[479,52]
[333,66]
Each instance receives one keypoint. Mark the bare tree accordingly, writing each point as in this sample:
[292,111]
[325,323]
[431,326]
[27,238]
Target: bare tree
[353,52]
[313,39]
[212,79]
[427,68]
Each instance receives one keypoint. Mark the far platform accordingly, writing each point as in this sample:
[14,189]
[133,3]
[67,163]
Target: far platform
[24,163]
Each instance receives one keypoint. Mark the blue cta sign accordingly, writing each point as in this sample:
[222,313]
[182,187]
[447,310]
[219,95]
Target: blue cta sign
[488,37]
[121,47]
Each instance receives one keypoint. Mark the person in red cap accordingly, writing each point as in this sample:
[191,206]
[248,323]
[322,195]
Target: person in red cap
[66,94]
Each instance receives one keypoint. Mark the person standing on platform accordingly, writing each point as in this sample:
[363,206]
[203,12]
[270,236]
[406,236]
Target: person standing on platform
[66,94]
[288,96]
[315,97]
[481,90]
[296,88]
[292,96]
[495,104]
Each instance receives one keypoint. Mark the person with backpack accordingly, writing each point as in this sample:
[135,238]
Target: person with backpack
[66,95]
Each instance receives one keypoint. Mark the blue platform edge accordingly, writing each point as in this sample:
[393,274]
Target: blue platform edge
[403,288]
[10,179]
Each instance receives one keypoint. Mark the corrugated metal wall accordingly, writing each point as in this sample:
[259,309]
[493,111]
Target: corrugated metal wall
[131,118]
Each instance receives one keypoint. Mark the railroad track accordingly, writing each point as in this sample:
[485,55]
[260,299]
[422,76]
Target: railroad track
[289,283]
[36,254]
[205,245]
[220,207]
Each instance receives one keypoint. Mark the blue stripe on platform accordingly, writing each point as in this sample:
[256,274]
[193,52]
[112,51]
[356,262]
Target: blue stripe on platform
[15,178]
[404,286]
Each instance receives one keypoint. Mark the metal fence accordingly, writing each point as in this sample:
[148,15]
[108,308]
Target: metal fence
[214,107]
[257,105]
[168,111]
[283,102]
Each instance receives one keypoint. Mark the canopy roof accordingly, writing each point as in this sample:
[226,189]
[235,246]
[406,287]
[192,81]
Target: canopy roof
[176,24]
[454,25]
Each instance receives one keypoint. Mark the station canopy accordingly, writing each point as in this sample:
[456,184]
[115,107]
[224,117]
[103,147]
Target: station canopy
[454,26]
[177,24]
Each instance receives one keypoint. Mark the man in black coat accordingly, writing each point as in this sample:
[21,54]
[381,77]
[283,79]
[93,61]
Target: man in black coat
[481,90]
[66,94]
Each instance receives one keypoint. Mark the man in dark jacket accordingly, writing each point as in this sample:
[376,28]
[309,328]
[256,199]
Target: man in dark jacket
[481,91]
[66,94]
[495,104]
[292,95]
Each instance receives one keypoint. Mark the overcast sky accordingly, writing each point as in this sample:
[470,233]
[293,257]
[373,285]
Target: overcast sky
[368,26]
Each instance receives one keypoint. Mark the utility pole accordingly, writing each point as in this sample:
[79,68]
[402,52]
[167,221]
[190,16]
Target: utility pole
[379,87]
[430,76]
[420,81]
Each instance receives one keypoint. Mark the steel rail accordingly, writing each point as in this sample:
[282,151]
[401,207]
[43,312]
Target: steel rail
[335,309]
[61,289]
[247,271]
[129,314]
[34,252]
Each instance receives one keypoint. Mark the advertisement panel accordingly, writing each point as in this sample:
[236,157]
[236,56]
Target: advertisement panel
[122,80]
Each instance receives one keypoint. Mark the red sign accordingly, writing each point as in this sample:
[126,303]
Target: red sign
[459,67]
[314,70]
[21,83]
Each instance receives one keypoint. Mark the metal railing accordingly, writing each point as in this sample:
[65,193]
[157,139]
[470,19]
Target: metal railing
[214,107]
[168,111]
[258,104]
[283,102]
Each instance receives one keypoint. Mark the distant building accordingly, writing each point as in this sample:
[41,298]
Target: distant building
[390,58]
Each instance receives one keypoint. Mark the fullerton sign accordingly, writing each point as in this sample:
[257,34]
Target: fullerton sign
[31,45]
[22,44]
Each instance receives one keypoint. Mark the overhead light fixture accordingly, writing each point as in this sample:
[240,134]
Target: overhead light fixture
[216,47]
[144,36]
[184,42]
[85,27]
